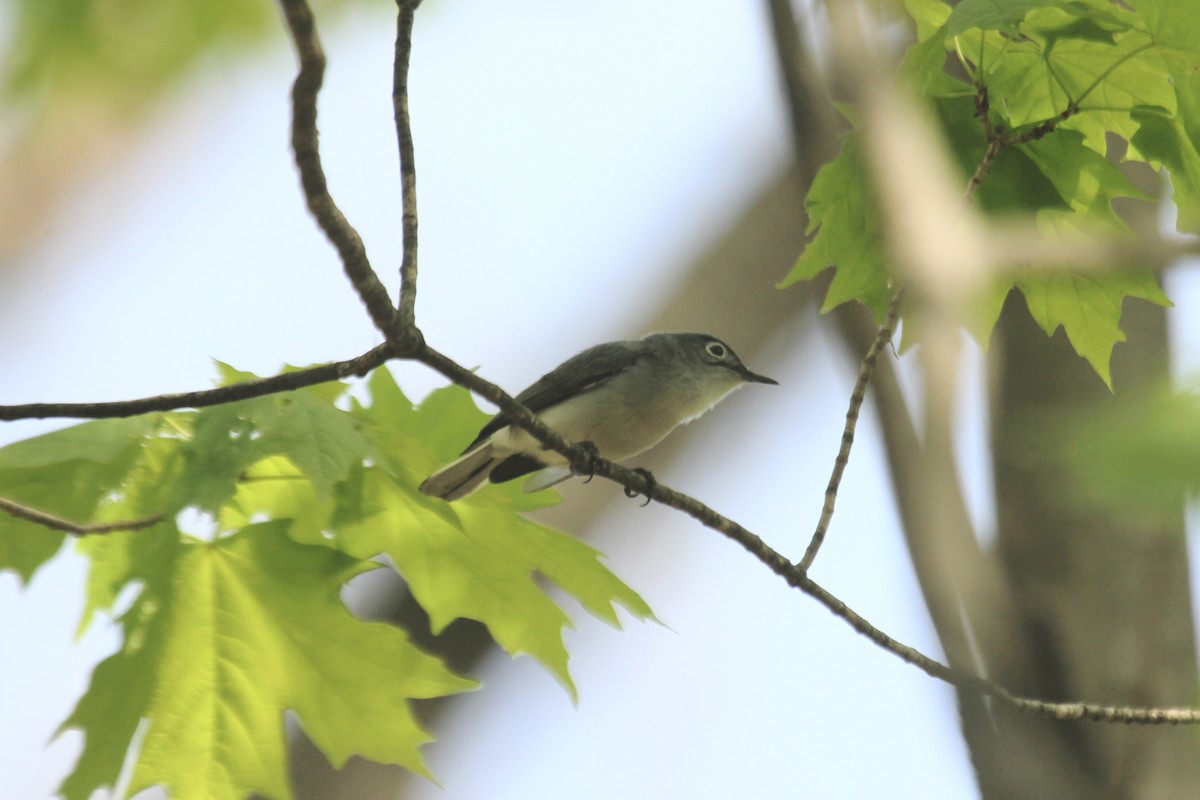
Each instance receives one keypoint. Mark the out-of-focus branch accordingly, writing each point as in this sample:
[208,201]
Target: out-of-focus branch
[404,341]
[988,622]
[639,482]
[813,124]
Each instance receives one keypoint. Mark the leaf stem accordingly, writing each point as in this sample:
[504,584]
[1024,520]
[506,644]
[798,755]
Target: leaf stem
[1112,67]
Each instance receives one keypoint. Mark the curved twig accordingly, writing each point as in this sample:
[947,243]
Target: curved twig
[406,343]
[305,146]
[56,523]
[795,575]
[866,370]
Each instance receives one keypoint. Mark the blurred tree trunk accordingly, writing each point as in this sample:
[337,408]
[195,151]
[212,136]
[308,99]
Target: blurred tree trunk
[1067,606]
[1103,608]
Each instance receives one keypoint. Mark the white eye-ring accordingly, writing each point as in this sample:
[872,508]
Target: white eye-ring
[716,349]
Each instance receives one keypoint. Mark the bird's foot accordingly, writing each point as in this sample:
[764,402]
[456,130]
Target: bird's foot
[584,461]
[650,484]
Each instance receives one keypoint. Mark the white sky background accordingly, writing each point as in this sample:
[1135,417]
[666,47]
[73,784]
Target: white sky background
[571,157]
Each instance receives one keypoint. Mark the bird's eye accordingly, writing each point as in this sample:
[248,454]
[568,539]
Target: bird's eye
[715,349]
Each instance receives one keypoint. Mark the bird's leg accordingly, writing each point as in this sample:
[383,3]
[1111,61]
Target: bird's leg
[584,462]
[650,484]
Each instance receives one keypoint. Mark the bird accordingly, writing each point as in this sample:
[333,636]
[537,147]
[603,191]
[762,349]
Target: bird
[620,398]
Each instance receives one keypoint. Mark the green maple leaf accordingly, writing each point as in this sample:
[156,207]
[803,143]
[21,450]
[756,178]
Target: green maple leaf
[924,63]
[848,227]
[1162,141]
[68,473]
[486,568]
[321,440]
[1046,55]
[1088,307]
[847,234]
[930,17]
[1015,182]
[992,15]
[224,637]
[1037,59]
[474,558]
[1087,182]
[227,636]
[1175,140]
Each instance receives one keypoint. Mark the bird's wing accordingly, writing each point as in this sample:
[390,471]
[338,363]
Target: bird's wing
[582,373]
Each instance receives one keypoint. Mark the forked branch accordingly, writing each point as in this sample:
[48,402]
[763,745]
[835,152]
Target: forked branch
[404,341]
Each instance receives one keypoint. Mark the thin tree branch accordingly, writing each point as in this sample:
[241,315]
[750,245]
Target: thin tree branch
[1042,128]
[997,139]
[402,335]
[408,168]
[53,522]
[994,143]
[305,146]
[785,36]
[587,462]
[962,679]
[288,381]
[796,576]
[580,458]
[991,134]
[866,370]
[522,416]
[814,141]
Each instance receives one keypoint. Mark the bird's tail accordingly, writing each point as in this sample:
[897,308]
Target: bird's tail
[550,476]
[462,477]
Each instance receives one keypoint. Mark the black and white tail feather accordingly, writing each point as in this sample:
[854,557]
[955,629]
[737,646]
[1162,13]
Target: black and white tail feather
[484,463]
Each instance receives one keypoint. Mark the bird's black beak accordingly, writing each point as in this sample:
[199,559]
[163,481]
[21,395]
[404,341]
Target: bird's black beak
[754,377]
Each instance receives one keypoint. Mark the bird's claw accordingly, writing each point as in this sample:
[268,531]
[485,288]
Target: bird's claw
[650,484]
[584,463]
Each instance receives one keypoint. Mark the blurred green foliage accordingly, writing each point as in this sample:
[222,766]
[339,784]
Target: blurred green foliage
[127,53]
[1093,70]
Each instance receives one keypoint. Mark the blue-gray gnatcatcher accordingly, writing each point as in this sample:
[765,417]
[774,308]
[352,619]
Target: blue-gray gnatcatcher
[622,397]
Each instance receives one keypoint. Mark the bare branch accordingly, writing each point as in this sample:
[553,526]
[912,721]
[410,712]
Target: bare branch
[795,575]
[288,381]
[405,341]
[341,234]
[992,135]
[48,520]
[866,370]
[408,167]
[522,416]
[997,139]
